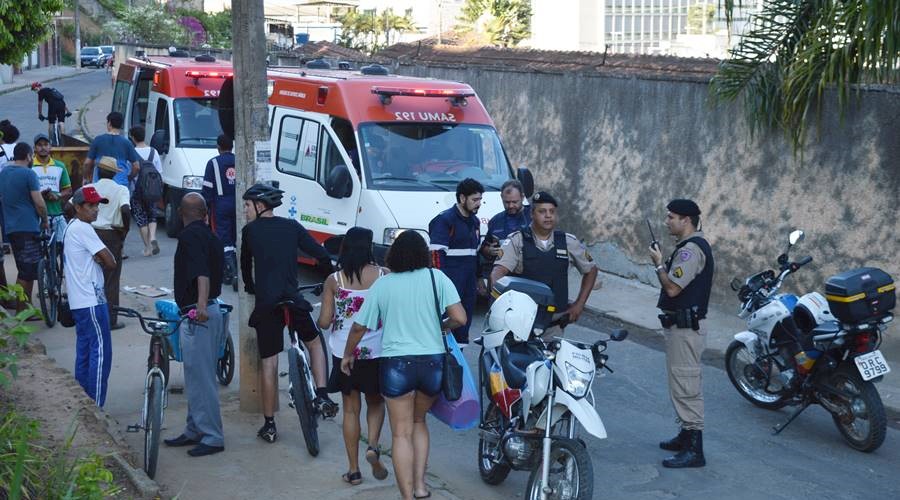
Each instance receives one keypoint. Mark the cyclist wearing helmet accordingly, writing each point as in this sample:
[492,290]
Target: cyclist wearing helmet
[56,107]
[269,268]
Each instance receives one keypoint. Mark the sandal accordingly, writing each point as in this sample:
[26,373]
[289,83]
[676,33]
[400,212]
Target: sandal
[427,495]
[373,456]
[354,478]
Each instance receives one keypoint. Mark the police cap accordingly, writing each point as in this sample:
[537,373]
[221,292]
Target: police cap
[544,197]
[683,207]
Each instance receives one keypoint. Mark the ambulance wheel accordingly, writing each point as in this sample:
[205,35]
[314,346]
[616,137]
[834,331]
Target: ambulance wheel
[173,221]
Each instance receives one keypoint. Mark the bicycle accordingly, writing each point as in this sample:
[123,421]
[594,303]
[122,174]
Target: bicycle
[155,397]
[169,310]
[50,276]
[302,387]
[55,132]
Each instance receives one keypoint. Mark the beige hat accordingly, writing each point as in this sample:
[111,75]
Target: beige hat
[109,164]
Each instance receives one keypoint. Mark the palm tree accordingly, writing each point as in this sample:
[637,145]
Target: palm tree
[795,50]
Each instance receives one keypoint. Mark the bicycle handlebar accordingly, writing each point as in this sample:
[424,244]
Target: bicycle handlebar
[161,327]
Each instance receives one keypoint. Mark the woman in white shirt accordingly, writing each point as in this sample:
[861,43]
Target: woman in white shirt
[345,292]
[143,212]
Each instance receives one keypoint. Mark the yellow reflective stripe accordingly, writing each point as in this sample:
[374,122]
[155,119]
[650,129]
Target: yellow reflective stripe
[852,298]
[886,288]
[551,308]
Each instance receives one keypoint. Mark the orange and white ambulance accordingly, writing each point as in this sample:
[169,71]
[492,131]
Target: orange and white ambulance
[176,100]
[386,152]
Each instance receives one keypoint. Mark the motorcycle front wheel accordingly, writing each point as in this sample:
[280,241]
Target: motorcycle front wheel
[750,378]
[571,473]
[864,423]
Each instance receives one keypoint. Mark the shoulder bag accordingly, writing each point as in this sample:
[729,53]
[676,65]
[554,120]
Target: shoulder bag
[452,383]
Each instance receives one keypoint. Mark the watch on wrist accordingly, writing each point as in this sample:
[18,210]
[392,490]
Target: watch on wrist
[660,268]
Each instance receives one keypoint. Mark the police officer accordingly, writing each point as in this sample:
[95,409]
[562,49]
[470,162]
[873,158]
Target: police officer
[686,280]
[542,253]
[455,236]
[218,191]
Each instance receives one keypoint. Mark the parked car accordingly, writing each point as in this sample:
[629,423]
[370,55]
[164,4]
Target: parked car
[91,56]
[107,53]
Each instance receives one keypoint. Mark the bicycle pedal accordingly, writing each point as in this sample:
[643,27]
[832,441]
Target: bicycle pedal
[134,428]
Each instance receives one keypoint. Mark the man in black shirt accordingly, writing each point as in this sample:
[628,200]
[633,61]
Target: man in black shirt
[56,107]
[198,282]
[269,267]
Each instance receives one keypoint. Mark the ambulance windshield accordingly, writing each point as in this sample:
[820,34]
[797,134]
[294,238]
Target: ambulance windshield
[196,123]
[431,156]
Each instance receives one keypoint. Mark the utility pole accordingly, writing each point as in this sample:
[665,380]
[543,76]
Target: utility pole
[77,37]
[251,129]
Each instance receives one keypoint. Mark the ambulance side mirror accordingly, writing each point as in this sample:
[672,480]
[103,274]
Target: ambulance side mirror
[527,180]
[339,183]
[160,141]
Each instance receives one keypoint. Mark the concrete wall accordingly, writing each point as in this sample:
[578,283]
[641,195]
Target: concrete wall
[615,150]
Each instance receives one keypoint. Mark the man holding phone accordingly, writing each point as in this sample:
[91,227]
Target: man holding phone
[515,216]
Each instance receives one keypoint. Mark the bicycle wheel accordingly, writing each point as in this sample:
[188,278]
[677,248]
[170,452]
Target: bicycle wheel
[299,373]
[45,285]
[152,425]
[225,364]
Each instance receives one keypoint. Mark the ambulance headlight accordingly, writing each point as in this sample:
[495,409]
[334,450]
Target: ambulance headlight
[578,381]
[192,182]
[391,234]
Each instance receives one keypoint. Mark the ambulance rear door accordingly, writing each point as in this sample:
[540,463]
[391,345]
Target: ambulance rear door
[306,153]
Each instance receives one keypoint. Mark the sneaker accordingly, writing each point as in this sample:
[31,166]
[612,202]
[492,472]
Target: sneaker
[268,433]
[325,406]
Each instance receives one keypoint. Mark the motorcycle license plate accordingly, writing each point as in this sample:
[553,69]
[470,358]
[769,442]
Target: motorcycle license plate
[871,365]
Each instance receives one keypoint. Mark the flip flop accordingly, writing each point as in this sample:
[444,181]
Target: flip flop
[354,478]
[155,247]
[373,456]
[427,495]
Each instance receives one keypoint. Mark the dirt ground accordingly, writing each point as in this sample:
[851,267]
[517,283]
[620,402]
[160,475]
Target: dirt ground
[48,393]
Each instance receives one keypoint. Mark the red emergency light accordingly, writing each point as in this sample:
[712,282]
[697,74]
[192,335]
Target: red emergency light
[207,74]
[457,96]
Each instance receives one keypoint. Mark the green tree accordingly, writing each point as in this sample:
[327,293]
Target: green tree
[795,50]
[363,32]
[504,23]
[25,24]
[150,23]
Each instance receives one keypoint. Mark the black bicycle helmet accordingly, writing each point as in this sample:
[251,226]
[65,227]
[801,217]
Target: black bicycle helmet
[266,193]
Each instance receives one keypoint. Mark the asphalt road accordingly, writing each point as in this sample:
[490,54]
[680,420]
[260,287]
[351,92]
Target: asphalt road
[20,107]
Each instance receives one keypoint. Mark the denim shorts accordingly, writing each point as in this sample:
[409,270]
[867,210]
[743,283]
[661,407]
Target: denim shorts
[402,374]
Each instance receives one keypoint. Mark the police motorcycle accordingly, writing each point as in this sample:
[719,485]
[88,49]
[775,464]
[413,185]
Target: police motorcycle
[523,377]
[815,349]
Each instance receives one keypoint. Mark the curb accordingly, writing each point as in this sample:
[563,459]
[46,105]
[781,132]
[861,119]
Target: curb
[51,79]
[711,356]
[82,114]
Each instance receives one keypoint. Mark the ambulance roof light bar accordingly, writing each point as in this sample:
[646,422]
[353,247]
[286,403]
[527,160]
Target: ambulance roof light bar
[457,96]
[196,75]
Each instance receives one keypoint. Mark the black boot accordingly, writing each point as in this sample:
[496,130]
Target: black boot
[677,443]
[691,455]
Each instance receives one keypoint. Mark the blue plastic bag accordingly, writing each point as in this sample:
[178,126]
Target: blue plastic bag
[464,413]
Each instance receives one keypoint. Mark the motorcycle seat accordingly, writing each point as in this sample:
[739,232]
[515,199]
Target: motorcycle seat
[514,359]
[826,328]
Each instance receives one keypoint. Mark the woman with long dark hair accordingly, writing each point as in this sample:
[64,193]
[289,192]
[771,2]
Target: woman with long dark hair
[412,350]
[345,292]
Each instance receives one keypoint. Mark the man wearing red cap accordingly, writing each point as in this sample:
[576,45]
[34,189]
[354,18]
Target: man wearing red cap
[86,257]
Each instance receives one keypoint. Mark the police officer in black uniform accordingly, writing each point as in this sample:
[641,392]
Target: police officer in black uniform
[686,281]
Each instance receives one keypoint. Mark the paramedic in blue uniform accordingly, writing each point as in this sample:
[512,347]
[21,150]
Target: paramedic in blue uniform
[218,191]
[515,216]
[455,238]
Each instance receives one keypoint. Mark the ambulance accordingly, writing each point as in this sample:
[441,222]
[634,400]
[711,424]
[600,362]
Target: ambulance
[385,152]
[176,100]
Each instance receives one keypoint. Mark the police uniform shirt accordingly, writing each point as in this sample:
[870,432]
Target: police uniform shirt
[687,262]
[511,253]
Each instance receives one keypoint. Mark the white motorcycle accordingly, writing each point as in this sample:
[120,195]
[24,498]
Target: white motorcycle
[815,349]
[538,391]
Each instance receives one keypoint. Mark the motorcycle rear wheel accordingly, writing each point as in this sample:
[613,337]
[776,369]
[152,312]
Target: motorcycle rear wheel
[571,473]
[493,471]
[738,361]
[866,430]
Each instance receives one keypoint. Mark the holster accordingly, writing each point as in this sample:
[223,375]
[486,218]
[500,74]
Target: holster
[682,318]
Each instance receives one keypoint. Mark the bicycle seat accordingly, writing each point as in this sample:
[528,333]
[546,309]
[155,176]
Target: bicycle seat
[514,359]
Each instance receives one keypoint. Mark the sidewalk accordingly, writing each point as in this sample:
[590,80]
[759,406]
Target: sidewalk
[43,75]
[634,303]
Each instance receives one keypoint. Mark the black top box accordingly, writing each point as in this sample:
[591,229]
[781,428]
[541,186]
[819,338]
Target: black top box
[860,295]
